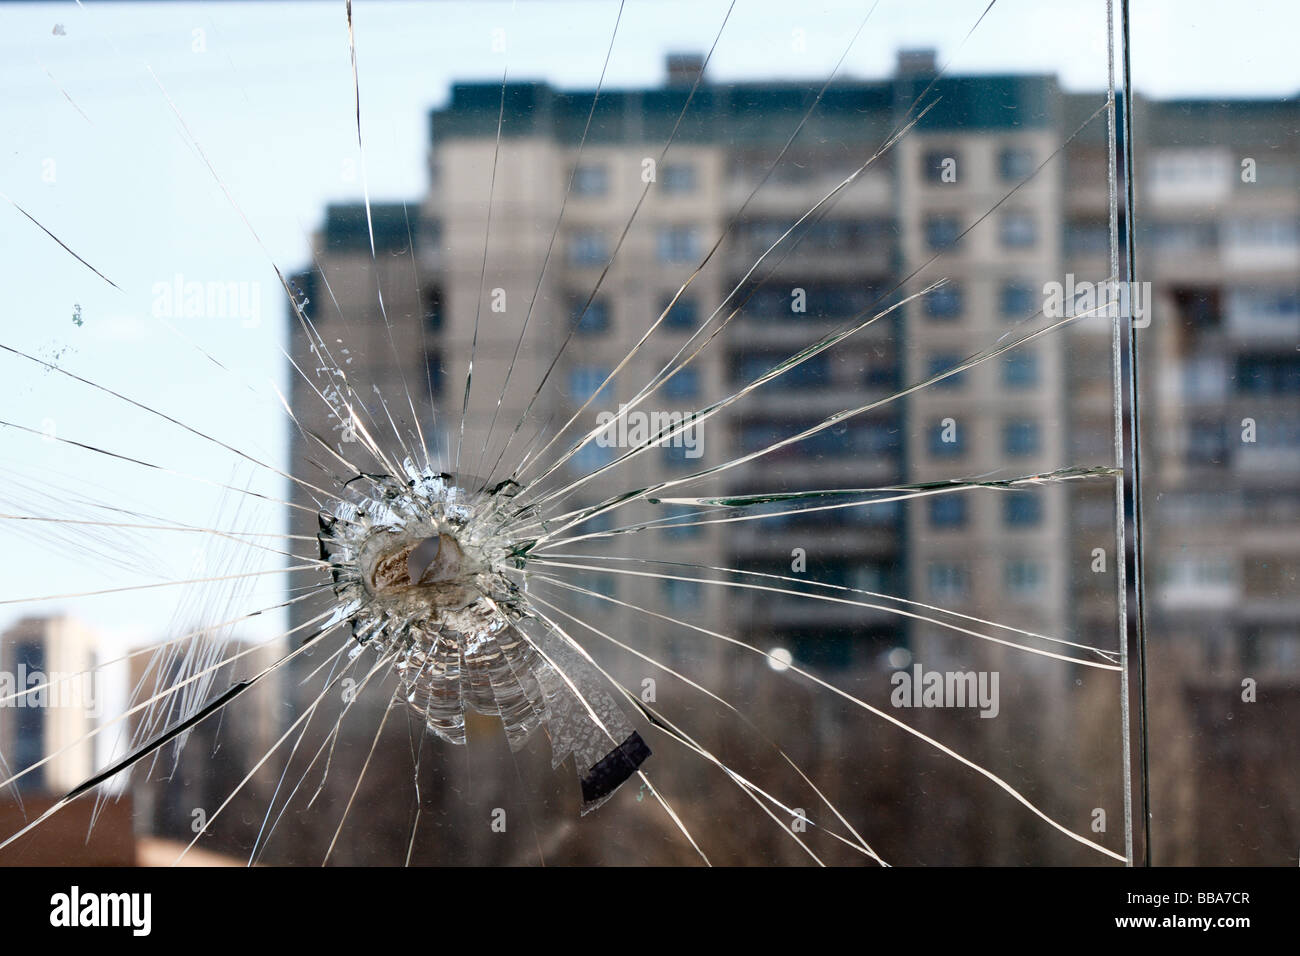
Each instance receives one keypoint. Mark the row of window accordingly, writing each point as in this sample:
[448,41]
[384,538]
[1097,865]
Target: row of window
[595,317]
[592,179]
[837,571]
[813,374]
[1016,230]
[1199,235]
[592,317]
[1264,307]
[686,448]
[683,521]
[950,580]
[1216,442]
[822,300]
[585,379]
[1268,374]
[1206,377]
[856,438]
[674,245]
[947,581]
[1019,369]
[1017,299]
[831,235]
[681,244]
[1020,438]
[1021,509]
[946,439]
[945,166]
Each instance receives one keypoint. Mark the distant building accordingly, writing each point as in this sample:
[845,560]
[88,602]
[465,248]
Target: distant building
[1000,189]
[841,265]
[1219,220]
[55,659]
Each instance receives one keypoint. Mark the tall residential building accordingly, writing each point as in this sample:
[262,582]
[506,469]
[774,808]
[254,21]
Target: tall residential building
[900,215]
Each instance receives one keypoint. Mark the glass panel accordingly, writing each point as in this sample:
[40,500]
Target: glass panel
[1218,215]
[745,369]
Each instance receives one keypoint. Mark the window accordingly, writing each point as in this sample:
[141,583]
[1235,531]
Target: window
[948,511]
[1205,378]
[1207,443]
[685,384]
[1276,432]
[1021,438]
[880,372]
[1264,312]
[940,165]
[587,248]
[1022,509]
[944,302]
[433,372]
[1023,578]
[677,178]
[1018,230]
[942,363]
[877,438]
[947,439]
[821,300]
[683,314]
[1020,369]
[598,523]
[683,449]
[1200,308]
[1204,172]
[600,584]
[1087,237]
[678,244]
[812,373]
[1018,300]
[942,232]
[1279,232]
[590,457]
[431,302]
[869,577]
[1204,580]
[1015,164]
[585,379]
[837,235]
[29,722]
[590,180]
[1268,375]
[947,580]
[682,595]
[1181,237]
[684,523]
[596,317]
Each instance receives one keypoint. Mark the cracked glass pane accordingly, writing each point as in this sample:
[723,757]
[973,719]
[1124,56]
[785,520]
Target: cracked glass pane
[662,433]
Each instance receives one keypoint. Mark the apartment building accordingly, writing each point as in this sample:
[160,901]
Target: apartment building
[999,191]
[898,218]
